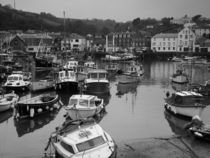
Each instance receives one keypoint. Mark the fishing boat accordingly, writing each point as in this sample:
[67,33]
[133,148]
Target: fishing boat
[80,139]
[16,82]
[71,64]
[132,74]
[36,105]
[96,81]
[8,101]
[186,103]
[180,77]
[67,80]
[83,106]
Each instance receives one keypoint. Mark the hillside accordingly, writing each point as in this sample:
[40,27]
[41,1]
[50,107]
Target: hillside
[11,19]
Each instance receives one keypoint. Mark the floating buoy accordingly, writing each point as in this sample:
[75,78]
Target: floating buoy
[51,109]
[39,110]
[32,112]
[47,107]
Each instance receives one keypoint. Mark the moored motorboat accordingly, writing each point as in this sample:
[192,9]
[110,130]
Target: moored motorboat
[36,105]
[132,74]
[83,106]
[180,77]
[186,103]
[82,139]
[16,82]
[67,80]
[8,101]
[96,82]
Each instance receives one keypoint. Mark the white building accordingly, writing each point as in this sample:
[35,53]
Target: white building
[164,42]
[201,31]
[74,42]
[186,40]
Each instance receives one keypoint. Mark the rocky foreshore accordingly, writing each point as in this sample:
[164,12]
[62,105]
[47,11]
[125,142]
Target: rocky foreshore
[164,147]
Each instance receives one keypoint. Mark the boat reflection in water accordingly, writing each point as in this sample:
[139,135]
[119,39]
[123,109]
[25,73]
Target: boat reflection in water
[25,126]
[177,123]
[4,116]
[126,88]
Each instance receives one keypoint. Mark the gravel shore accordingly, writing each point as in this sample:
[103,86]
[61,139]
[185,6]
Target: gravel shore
[167,147]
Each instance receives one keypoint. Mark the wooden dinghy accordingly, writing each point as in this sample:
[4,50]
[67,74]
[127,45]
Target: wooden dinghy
[36,105]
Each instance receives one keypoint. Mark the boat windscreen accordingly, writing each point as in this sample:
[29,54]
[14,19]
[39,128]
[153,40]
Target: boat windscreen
[102,75]
[92,143]
[73,102]
[83,102]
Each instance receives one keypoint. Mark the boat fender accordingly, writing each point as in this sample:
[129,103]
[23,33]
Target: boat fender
[27,108]
[32,112]
[51,109]
[167,94]
[59,86]
[47,107]
[39,110]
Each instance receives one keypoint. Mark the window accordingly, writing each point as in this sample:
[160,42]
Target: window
[67,147]
[158,48]
[186,36]
[180,36]
[76,40]
[164,43]
[73,102]
[102,75]
[90,144]
[83,102]
[168,48]
[173,48]
[93,75]
[164,48]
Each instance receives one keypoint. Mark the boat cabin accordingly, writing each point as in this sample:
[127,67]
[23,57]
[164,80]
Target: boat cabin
[97,74]
[65,74]
[186,98]
[90,64]
[15,79]
[82,138]
[71,65]
[85,101]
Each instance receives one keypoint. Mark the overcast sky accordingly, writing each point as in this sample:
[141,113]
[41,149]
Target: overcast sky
[119,10]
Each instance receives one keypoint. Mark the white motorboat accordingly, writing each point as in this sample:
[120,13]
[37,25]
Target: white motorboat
[132,74]
[67,80]
[180,77]
[71,64]
[82,139]
[16,82]
[96,81]
[83,106]
[8,101]
[186,103]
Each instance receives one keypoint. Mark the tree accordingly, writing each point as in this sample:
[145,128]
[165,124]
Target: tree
[105,30]
[136,22]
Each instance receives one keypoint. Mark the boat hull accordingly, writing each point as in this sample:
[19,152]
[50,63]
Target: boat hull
[125,78]
[185,111]
[17,88]
[69,86]
[6,105]
[34,107]
[75,114]
[96,87]
[180,79]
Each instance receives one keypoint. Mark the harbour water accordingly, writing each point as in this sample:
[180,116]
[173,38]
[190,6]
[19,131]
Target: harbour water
[133,111]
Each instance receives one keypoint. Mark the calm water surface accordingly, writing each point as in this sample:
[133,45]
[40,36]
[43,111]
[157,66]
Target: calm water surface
[132,111]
